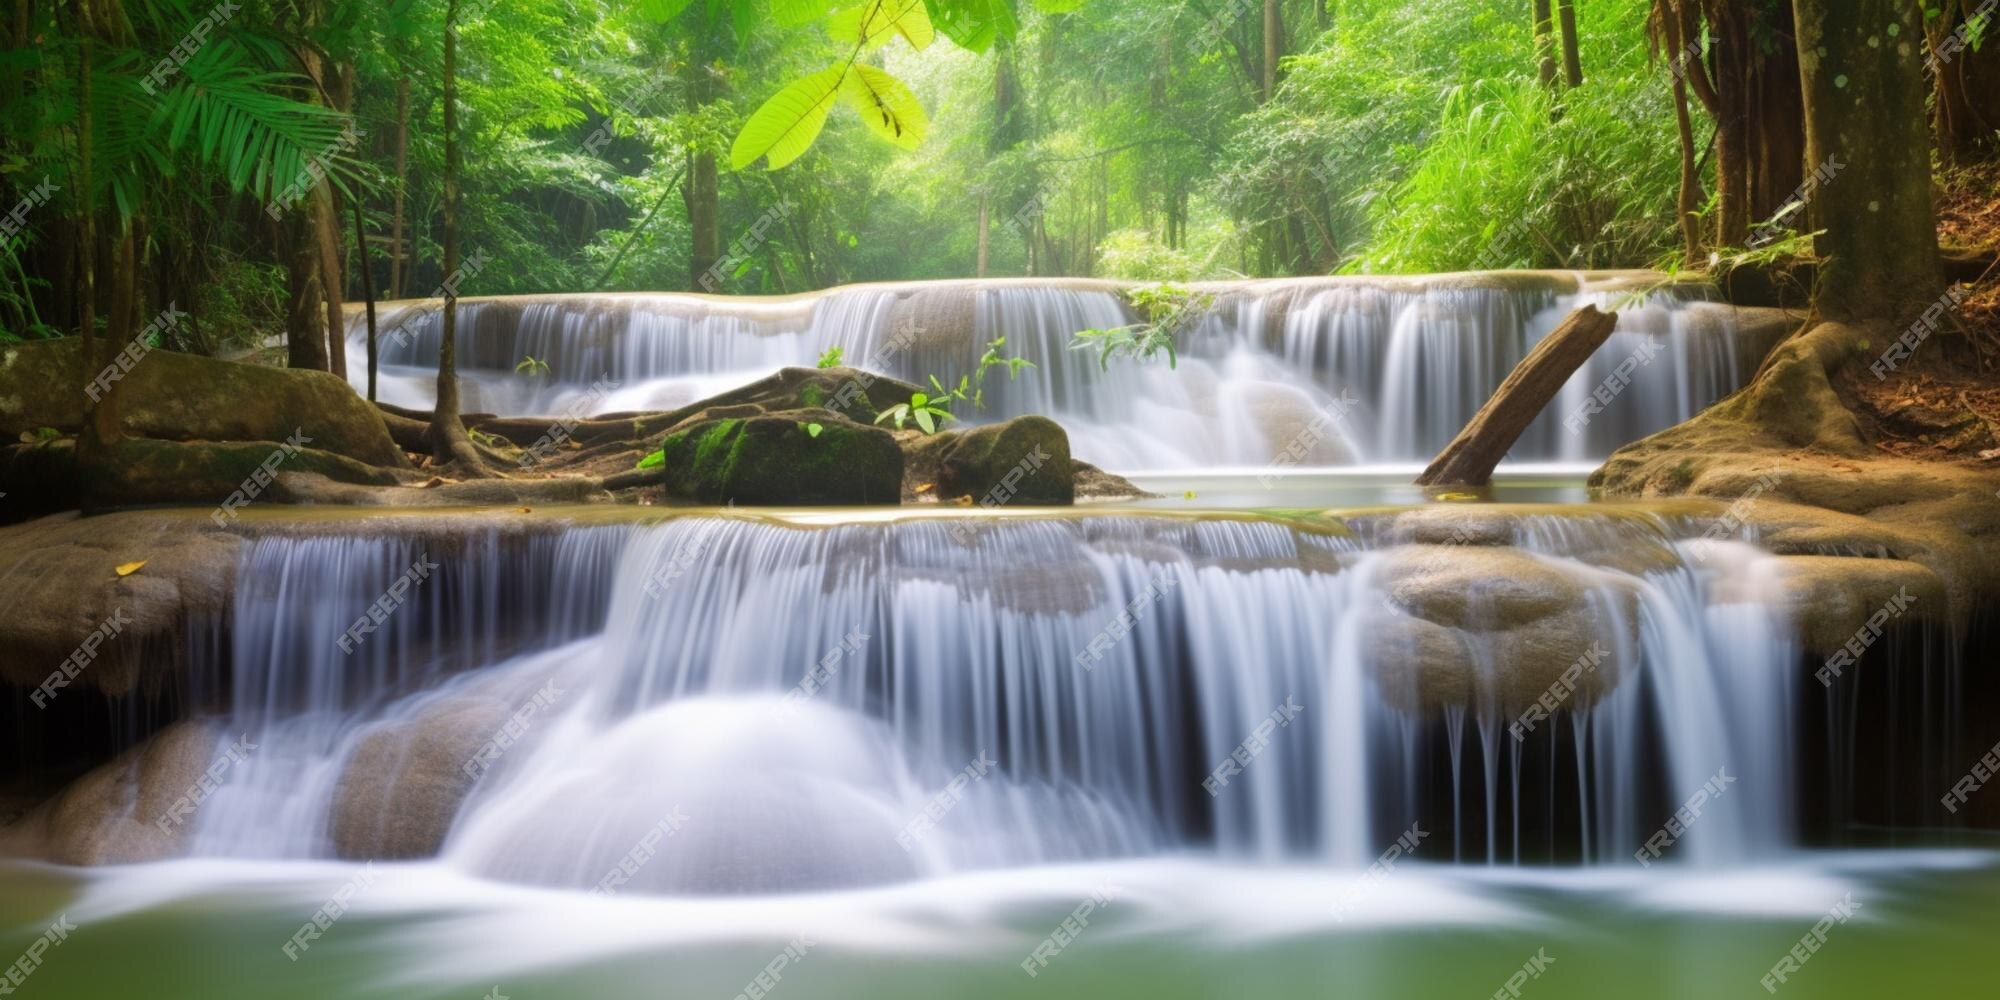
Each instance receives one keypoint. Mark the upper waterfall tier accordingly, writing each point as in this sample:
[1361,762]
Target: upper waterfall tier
[1299,372]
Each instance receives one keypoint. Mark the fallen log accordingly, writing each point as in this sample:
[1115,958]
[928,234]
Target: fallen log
[1470,457]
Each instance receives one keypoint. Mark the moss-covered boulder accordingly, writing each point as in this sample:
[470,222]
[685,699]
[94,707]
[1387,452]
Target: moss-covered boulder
[1024,461]
[777,459]
[183,397]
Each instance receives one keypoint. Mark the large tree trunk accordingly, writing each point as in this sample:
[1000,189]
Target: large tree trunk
[1864,103]
[398,252]
[1572,54]
[305,332]
[451,446]
[704,204]
[1776,114]
[1274,35]
[1545,53]
[1471,456]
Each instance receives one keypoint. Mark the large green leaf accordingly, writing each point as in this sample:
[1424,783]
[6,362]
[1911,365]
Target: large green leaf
[887,107]
[877,21]
[974,24]
[786,125]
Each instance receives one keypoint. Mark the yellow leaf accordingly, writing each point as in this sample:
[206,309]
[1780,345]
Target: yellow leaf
[1457,497]
[127,569]
[887,107]
[784,127]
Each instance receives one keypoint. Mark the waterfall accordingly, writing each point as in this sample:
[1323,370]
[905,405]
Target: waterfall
[810,705]
[1325,372]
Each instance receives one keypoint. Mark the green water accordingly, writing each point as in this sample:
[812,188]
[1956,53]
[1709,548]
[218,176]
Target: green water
[1925,927]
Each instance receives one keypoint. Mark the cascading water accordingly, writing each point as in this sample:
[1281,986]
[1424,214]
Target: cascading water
[815,706]
[1309,373]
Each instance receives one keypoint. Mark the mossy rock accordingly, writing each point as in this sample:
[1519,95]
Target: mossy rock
[185,397]
[775,460]
[141,471]
[1023,461]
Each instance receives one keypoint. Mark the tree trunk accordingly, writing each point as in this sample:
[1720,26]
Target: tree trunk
[1967,82]
[1864,107]
[1688,201]
[704,204]
[398,253]
[1776,113]
[1545,54]
[1572,55]
[327,241]
[367,291]
[1471,456]
[1274,33]
[305,334]
[451,446]
[985,230]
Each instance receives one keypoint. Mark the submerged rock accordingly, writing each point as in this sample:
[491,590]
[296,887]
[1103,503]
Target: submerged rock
[139,807]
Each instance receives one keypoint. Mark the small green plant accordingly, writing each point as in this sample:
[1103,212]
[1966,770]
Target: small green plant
[532,367]
[656,460]
[1163,308]
[833,358]
[812,430]
[928,411]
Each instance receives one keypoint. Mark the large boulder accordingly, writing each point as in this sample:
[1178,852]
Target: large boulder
[776,459]
[1024,461]
[129,810]
[183,397]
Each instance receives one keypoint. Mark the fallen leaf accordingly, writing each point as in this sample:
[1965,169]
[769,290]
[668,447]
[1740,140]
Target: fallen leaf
[925,488]
[431,482]
[127,569]
[1457,497]
[527,510]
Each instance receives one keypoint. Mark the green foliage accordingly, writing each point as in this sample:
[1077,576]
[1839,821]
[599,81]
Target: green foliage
[1164,309]
[832,357]
[928,412]
[532,367]
[813,430]
[655,460]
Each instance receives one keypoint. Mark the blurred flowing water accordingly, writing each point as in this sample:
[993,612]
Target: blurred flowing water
[1337,373]
[867,703]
